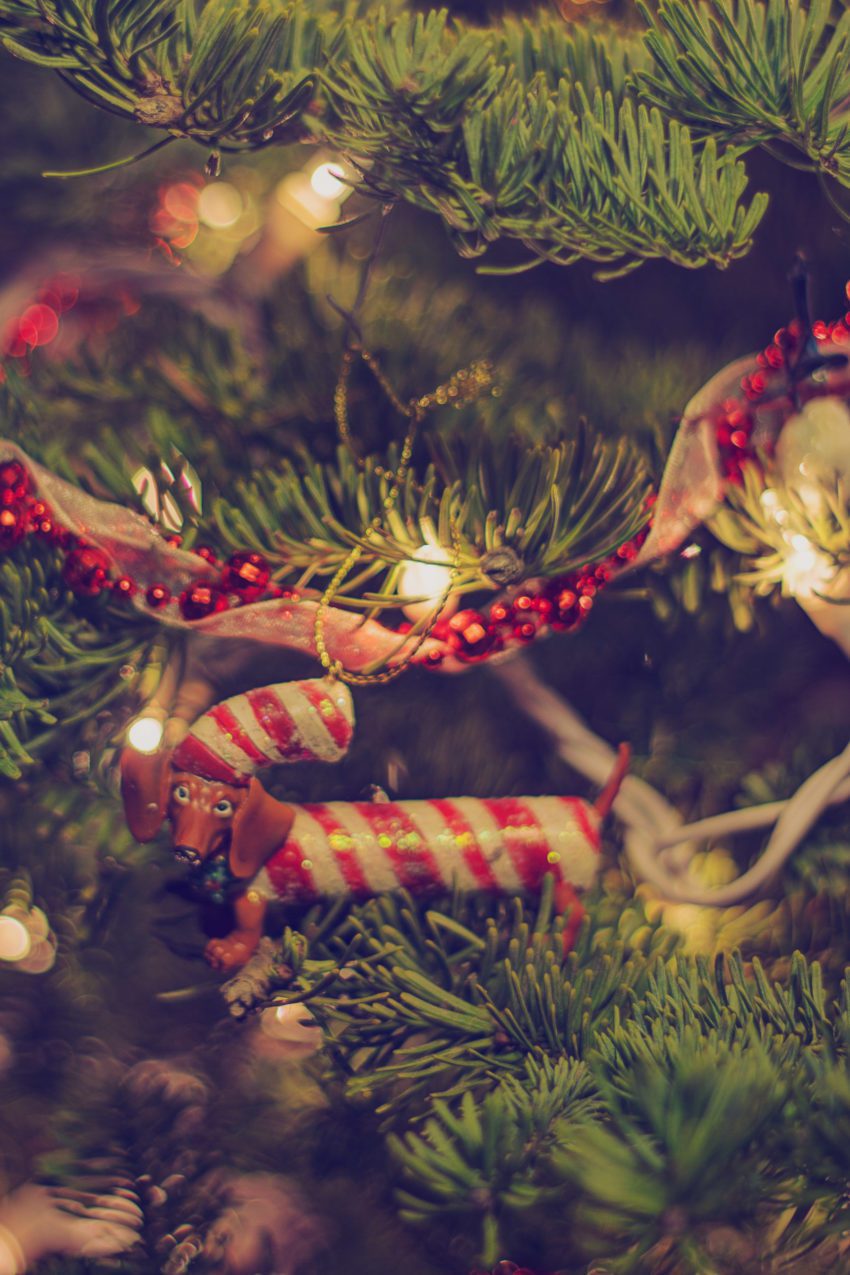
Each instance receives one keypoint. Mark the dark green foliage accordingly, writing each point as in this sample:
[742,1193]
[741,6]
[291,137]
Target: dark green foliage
[521,132]
[631,1103]
[619,1107]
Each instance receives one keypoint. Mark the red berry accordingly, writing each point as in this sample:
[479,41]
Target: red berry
[174,541]
[247,574]
[157,596]
[208,554]
[525,631]
[86,571]
[202,599]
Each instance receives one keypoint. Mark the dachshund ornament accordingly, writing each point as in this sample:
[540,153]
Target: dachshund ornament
[243,846]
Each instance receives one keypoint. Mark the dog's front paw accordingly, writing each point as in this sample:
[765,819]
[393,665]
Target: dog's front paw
[233,951]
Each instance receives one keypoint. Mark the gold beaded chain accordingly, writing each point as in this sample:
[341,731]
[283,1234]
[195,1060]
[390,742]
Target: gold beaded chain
[462,387]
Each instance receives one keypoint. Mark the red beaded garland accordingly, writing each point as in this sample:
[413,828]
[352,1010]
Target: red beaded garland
[202,599]
[86,571]
[158,595]
[471,636]
[246,574]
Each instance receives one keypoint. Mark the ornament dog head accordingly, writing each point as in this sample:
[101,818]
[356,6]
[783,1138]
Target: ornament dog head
[206,788]
[206,815]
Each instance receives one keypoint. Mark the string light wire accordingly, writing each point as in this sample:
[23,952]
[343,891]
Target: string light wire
[658,844]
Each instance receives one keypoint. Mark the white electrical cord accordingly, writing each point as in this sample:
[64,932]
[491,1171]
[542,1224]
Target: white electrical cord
[652,826]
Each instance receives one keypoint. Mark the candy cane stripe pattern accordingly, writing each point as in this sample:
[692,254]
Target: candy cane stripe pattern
[289,722]
[506,845]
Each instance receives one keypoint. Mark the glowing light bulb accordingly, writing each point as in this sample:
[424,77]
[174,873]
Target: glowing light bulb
[326,182]
[806,570]
[219,205]
[293,1024]
[145,734]
[427,576]
[15,940]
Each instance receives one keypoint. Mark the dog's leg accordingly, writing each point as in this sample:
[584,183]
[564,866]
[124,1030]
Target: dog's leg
[239,947]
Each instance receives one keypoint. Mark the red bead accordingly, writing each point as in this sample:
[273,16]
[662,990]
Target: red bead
[471,637]
[202,599]
[565,596]
[174,541]
[13,526]
[124,587]
[86,571]
[499,613]
[14,477]
[157,596]
[434,659]
[526,631]
[523,603]
[55,533]
[544,607]
[208,554]
[247,574]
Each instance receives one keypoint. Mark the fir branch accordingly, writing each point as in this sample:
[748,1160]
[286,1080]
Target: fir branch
[518,132]
[557,507]
[756,73]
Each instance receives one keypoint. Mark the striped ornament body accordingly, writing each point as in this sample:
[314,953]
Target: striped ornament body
[289,722]
[504,845]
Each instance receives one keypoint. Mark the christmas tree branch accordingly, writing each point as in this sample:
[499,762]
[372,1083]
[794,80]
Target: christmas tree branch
[521,132]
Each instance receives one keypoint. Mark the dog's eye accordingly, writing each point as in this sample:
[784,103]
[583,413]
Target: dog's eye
[223,808]
[181,793]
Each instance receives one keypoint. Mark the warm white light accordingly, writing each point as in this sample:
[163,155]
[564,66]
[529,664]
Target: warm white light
[326,182]
[42,957]
[426,575]
[15,939]
[219,205]
[806,570]
[293,1024]
[145,734]
[12,1259]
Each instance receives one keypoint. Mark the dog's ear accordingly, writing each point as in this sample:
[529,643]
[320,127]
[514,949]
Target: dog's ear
[145,781]
[260,826]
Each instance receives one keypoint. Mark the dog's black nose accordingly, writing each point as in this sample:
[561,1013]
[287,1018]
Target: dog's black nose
[185,854]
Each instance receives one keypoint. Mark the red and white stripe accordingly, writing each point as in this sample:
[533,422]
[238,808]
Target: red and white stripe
[290,722]
[505,845]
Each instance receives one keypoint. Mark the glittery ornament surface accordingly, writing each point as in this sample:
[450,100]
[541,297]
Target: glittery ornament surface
[506,845]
